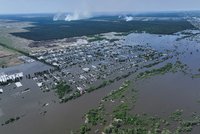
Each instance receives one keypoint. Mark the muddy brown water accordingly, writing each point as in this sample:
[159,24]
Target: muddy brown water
[59,119]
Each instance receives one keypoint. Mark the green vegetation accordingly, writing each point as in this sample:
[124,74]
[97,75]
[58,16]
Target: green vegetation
[169,67]
[135,124]
[178,66]
[196,76]
[153,72]
[118,94]
[96,38]
[120,111]
[75,95]
[94,116]
[103,84]
[62,89]
[123,121]
[84,129]
[123,34]
[177,115]
[185,125]
[11,120]
[46,30]
[97,116]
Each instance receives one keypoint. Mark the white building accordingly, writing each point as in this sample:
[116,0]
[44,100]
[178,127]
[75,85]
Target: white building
[18,84]
[6,77]
[86,69]
[1,91]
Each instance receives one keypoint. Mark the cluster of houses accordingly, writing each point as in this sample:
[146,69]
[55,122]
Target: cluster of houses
[88,63]
[26,59]
[97,51]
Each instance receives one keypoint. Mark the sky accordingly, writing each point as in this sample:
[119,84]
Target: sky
[55,6]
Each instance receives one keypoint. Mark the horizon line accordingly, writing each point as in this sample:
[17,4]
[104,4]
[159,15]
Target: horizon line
[103,12]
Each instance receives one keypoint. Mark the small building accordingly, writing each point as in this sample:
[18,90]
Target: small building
[39,84]
[93,66]
[82,77]
[86,69]
[18,84]
[1,91]
[81,90]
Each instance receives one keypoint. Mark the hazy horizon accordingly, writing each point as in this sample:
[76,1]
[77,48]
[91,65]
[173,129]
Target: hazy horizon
[91,6]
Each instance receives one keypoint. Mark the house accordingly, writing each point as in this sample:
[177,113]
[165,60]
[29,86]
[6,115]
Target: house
[86,69]
[82,77]
[39,84]
[18,84]
[1,91]
[94,67]
[81,90]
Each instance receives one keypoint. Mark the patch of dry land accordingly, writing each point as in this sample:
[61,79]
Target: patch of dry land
[7,27]
[10,43]
[8,57]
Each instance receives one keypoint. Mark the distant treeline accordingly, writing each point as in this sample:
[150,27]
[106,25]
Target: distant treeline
[47,29]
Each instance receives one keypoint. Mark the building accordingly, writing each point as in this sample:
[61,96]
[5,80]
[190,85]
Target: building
[18,84]
[10,76]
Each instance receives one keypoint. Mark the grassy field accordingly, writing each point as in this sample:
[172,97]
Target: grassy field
[8,57]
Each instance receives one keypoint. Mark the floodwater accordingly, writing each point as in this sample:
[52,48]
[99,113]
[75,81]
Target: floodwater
[59,119]
[162,95]
[159,95]
[26,68]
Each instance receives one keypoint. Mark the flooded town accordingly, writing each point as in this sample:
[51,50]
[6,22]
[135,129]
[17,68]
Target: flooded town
[143,80]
